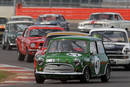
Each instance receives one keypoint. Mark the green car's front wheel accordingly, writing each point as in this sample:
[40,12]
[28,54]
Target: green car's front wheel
[39,79]
[86,76]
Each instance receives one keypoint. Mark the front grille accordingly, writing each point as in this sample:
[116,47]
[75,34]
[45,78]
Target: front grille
[59,68]
[12,41]
[93,25]
[116,55]
[88,25]
[97,25]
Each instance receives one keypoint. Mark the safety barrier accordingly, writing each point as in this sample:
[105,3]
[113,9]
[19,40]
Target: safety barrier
[70,13]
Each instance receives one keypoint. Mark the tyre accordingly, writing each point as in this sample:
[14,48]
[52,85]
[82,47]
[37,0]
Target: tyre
[29,57]
[3,44]
[39,79]
[8,46]
[21,57]
[66,28]
[127,67]
[106,77]
[86,76]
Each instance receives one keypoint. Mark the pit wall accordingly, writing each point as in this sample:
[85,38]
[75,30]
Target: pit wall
[70,13]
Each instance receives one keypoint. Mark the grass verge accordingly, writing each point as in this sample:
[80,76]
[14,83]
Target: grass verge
[4,75]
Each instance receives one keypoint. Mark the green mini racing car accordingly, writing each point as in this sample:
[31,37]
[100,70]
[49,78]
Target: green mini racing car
[72,57]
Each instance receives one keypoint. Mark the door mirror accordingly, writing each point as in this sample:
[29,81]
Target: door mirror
[91,53]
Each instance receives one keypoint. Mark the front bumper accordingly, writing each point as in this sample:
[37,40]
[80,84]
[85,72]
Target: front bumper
[59,74]
[32,51]
[120,61]
[12,44]
[53,73]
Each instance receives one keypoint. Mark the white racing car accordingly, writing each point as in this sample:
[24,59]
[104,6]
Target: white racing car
[102,20]
[116,44]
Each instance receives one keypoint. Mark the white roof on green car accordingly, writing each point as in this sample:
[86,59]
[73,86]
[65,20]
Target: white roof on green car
[89,38]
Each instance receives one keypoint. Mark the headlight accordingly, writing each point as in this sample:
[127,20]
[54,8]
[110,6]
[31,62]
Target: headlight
[37,56]
[126,50]
[40,61]
[77,62]
[32,45]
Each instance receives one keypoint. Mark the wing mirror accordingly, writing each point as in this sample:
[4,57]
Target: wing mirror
[91,53]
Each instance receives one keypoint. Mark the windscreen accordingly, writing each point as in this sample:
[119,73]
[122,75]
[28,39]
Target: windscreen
[41,32]
[19,27]
[68,46]
[3,20]
[111,36]
[101,17]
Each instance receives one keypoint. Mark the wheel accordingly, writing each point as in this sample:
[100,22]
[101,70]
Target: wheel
[66,28]
[21,57]
[39,79]
[86,76]
[8,46]
[3,44]
[127,67]
[29,57]
[106,77]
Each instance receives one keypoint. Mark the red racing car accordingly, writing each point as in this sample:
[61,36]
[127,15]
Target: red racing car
[32,39]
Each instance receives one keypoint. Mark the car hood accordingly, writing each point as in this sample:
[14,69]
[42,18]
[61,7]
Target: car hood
[63,57]
[37,39]
[110,46]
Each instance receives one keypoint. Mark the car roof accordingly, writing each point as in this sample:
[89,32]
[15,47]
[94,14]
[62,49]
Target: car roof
[89,38]
[20,16]
[45,15]
[105,13]
[66,33]
[13,22]
[107,29]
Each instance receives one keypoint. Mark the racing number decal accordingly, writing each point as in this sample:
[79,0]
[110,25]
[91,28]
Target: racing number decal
[97,65]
